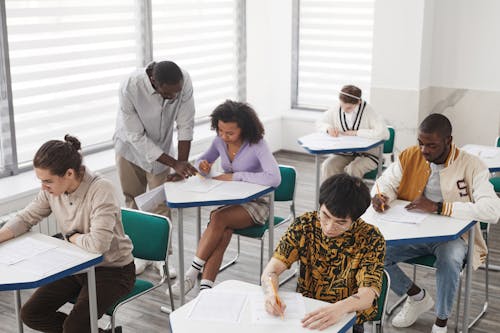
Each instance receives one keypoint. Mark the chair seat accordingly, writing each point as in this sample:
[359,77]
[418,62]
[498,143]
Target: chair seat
[139,287]
[373,174]
[496,183]
[427,260]
[257,231]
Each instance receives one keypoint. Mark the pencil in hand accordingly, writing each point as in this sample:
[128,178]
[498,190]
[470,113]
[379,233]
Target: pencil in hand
[276,296]
[379,195]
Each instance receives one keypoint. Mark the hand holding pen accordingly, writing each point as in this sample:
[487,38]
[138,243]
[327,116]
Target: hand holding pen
[379,201]
[273,303]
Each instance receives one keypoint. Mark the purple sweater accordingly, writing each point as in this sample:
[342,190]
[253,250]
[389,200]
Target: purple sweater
[254,163]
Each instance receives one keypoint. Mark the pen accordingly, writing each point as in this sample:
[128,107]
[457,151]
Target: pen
[275,292]
[380,196]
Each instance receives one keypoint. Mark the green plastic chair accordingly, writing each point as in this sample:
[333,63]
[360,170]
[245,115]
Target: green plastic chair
[378,321]
[496,180]
[150,234]
[388,149]
[284,192]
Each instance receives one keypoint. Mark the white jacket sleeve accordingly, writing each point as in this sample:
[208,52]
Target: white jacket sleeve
[377,128]
[389,181]
[486,205]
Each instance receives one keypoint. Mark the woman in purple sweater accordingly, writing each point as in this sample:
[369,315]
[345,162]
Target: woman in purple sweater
[245,157]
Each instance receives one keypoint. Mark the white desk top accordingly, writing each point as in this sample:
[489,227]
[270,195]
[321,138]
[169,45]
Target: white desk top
[181,194]
[322,143]
[434,228]
[181,324]
[490,155]
[13,277]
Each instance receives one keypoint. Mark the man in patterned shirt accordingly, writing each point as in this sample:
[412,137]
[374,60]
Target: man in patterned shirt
[341,257]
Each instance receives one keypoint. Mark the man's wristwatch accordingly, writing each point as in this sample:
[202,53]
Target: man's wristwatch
[69,234]
[439,209]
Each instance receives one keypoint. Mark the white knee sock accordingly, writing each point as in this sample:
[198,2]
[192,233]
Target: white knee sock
[195,269]
[206,284]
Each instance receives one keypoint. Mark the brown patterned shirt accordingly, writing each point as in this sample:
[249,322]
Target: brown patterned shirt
[333,268]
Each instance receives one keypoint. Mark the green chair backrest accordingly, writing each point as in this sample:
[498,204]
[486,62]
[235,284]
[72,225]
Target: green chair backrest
[150,233]
[286,189]
[389,143]
[382,300]
[498,141]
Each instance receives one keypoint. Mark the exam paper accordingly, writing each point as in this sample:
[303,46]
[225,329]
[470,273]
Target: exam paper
[149,200]
[14,252]
[56,259]
[319,141]
[399,214]
[294,312]
[221,306]
[203,185]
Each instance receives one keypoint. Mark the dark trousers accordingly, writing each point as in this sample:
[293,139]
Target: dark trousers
[40,311]
[358,328]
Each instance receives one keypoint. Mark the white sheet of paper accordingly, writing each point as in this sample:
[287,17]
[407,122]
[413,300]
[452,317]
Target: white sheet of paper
[294,312]
[203,185]
[399,214]
[47,261]
[318,141]
[221,306]
[14,252]
[482,151]
[149,200]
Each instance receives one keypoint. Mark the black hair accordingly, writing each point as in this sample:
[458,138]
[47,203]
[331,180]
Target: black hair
[244,115]
[344,196]
[58,156]
[436,123]
[165,72]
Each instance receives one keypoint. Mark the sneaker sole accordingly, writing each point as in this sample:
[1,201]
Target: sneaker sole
[405,325]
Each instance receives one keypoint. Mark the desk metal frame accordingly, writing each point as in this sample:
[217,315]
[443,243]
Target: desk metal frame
[87,266]
[180,205]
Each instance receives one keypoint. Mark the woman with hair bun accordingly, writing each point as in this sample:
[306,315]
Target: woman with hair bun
[88,214]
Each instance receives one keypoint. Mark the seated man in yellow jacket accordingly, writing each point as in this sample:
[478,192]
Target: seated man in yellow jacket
[436,177]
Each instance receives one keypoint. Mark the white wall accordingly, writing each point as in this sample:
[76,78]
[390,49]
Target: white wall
[397,41]
[466,45]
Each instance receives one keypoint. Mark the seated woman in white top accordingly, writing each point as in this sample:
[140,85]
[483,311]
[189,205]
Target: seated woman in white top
[355,117]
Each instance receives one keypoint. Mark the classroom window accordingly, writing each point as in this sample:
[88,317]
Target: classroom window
[205,37]
[332,47]
[66,59]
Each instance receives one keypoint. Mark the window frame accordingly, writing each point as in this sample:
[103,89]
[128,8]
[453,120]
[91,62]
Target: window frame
[144,56]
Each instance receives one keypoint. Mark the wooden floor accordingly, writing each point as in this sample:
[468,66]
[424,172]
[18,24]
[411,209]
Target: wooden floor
[143,315]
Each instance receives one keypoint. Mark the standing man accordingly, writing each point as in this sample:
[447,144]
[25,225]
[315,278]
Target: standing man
[436,177]
[151,101]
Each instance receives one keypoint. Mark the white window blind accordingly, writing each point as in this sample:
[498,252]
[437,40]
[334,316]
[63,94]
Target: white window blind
[206,38]
[67,59]
[334,49]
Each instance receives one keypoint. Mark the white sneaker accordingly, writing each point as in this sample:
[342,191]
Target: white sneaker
[438,329]
[140,265]
[172,273]
[176,288]
[412,310]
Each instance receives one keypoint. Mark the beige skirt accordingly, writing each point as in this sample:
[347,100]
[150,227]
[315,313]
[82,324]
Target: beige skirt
[258,209]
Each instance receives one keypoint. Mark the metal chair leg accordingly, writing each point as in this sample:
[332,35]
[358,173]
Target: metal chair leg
[234,259]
